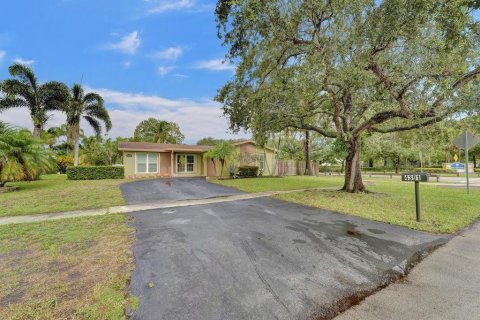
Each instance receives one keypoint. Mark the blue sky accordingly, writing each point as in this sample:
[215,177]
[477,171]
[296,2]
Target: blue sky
[148,58]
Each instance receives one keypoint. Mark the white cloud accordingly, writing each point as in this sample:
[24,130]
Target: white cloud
[179,75]
[128,44]
[171,54]
[24,62]
[215,65]
[163,71]
[2,55]
[127,64]
[161,6]
[196,118]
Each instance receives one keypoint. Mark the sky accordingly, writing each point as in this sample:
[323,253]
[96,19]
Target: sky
[147,58]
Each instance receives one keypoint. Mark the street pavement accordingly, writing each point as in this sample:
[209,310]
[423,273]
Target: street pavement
[446,285]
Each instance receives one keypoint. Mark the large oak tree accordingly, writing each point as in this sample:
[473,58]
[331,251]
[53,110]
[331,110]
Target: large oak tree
[347,68]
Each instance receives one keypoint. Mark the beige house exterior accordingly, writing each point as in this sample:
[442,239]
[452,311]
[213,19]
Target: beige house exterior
[248,153]
[143,160]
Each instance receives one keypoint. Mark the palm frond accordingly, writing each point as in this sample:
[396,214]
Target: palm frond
[15,89]
[95,124]
[93,97]
[24,73]
[54,95]
[100,113]
[77,92]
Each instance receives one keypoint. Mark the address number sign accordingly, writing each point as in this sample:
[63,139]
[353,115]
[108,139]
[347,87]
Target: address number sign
[422,177]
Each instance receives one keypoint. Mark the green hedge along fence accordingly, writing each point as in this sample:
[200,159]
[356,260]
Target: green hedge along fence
[95,173]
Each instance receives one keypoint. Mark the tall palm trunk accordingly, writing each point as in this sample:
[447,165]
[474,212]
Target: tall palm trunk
[37,130]
[76,144]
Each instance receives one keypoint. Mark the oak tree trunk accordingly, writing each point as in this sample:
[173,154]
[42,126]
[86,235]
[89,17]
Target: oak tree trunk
[353,172]
[308,165]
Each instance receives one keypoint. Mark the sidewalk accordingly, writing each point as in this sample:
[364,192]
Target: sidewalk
[446,285]
[141,207]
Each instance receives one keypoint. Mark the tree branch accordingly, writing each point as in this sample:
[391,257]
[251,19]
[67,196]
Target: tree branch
[377,119]
[409,127]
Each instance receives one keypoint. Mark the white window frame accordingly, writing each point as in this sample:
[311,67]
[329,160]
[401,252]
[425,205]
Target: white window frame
[185,167]
[260,162]
[148,162]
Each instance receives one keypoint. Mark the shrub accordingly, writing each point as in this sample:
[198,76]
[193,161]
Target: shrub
[322,169]
[95,173]
[22,157]
[248,171]
[435,170]
[63,162]
[379,169]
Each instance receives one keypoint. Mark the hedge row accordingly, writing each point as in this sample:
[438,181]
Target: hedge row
[95,173]
[322,169]
[247,172]
[435,170]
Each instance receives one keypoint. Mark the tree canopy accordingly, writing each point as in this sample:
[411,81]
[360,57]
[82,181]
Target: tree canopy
[158,131]
[345,68]
[24,90]
[88,106]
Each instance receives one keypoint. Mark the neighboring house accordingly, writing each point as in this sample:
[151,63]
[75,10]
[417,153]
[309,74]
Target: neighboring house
[143,159]
[248,153]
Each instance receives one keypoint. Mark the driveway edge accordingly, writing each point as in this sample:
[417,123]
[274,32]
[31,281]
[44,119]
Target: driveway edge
[142,207]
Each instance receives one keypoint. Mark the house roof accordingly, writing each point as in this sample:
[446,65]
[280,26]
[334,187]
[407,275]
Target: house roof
[161,147]
[252,142]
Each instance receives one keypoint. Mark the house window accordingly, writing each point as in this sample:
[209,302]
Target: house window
[147,162]
[185,163]
[261,162]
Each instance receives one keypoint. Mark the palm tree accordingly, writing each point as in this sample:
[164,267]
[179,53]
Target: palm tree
[22,156]
[223,152]
[25,91]
[89,107]
[64,131]
[158,131]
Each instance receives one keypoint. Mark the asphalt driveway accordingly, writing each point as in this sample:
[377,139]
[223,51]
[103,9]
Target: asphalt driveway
[173,189]
[262,259]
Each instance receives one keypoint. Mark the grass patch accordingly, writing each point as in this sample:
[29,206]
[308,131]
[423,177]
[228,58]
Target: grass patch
[65,269]
[444,210]
[54,193]
[280,183]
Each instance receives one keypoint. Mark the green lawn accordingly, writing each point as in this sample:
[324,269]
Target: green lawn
[66,269]
[392,201]
[280,183]
[54,193]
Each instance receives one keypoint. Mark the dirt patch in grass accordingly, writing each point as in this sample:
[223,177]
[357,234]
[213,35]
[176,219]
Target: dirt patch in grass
[7,189]
[69,269]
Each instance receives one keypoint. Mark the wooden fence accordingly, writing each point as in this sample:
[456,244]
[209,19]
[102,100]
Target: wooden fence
[294,167]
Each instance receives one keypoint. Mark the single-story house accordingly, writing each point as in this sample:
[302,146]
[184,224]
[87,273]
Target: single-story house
[142,159]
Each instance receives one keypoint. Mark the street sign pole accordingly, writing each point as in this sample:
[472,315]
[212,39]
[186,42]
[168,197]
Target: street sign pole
[466,141]
[466,162]
[417,199]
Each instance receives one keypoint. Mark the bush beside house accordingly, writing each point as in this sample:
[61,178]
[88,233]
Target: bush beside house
[248,171]
[95,173]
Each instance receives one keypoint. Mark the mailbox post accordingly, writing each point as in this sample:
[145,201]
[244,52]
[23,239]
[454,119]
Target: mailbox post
[417,178]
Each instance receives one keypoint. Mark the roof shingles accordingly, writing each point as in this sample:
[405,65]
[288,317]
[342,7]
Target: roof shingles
[160,147]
